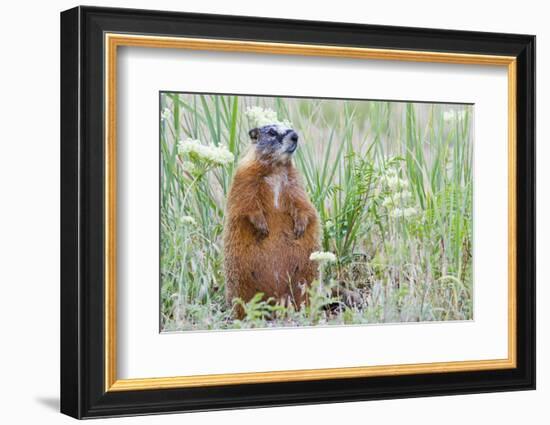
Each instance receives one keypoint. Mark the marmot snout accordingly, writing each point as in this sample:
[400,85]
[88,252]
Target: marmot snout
[271,227]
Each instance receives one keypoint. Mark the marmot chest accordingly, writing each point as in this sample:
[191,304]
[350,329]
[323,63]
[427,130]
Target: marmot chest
[275,196]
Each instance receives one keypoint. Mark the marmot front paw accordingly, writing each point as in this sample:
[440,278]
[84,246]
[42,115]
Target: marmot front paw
[259,223]
[262,229]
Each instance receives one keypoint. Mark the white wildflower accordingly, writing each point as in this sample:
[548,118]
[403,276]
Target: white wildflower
[388,201]
[189,166]
[165,114]
[394,182]
[404,195]
[322,257]
[409,212]
[218,155]
[187,220]
[448,115]
[397,213]
[453,115]
[264,116]
[401,196]
[404,212]
[391,172]
[329,224]
[391,181]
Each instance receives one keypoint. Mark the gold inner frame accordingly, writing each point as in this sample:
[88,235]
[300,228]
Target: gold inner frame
[113,41]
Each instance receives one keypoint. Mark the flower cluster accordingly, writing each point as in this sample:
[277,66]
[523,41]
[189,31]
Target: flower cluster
[404,212]
[453,114]
[398,198]
[197,152]
[190,167]
[392,180]
[187,220]
[322,257]
[259,117]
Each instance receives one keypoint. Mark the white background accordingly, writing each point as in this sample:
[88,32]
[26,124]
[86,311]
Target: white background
[140,346]
[29,225]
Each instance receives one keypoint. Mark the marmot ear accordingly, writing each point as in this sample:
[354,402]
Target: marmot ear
[254,134]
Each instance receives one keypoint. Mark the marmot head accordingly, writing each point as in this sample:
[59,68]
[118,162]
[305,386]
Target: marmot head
[274,142]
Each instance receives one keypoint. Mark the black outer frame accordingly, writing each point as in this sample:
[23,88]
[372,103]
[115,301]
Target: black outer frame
[82,217]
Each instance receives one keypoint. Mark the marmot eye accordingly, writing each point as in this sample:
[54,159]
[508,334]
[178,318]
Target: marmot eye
[272,132]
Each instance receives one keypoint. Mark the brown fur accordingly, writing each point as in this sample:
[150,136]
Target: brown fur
[268,243]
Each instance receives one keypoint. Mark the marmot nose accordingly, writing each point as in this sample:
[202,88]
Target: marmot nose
[294,136]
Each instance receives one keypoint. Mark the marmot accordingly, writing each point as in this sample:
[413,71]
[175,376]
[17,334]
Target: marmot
[271,227]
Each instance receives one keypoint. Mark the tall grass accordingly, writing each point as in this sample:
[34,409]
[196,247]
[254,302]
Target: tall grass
[392,183]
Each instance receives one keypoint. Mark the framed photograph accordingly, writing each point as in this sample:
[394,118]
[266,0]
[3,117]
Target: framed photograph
[261,212]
